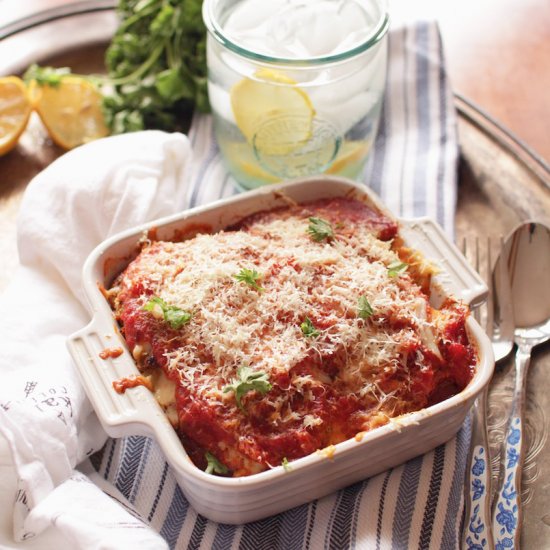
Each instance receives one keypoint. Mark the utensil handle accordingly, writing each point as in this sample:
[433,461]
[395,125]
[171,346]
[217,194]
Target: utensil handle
[477,529]
[507,512]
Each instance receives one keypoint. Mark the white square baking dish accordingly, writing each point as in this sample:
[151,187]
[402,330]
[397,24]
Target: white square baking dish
[244,499]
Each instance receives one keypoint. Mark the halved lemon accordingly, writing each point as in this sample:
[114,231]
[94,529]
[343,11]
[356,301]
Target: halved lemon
[272,112]
[15,109]
[70,111]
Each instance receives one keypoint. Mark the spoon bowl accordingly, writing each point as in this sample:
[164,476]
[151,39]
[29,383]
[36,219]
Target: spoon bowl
[526,254]
[533,336]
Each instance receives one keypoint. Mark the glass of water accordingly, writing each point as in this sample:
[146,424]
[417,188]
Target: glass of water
[295,86]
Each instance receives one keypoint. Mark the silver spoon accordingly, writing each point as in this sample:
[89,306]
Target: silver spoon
[527,255]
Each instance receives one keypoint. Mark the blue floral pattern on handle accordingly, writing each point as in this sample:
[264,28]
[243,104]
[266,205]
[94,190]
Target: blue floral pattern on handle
[477,522]
[505,521]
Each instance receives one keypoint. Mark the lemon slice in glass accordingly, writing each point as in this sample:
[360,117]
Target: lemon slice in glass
[350,159]
[272,112]
[70,111]
[15,109]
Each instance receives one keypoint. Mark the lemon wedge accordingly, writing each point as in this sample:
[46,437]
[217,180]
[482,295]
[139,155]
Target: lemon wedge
[71,111]
[350,159]
[243,162]
[15,109]
[272,112]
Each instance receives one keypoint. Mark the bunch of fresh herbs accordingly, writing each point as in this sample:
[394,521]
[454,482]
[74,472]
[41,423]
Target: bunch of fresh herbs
[156,64]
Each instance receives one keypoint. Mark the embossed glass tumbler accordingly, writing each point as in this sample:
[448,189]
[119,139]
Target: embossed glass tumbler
[295,86]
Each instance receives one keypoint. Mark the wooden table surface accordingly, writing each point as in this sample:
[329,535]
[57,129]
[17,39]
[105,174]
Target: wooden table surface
[498,56]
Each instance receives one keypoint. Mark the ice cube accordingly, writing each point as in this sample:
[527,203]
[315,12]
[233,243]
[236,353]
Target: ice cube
[298,28]
[319,33]
[250,16]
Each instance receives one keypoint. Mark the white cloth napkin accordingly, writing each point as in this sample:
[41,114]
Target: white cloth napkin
[118,182]
[82,198]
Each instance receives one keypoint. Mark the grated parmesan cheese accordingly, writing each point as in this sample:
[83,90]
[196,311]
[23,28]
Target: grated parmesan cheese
[366,360]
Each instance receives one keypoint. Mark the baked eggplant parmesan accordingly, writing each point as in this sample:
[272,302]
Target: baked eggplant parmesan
[295,330]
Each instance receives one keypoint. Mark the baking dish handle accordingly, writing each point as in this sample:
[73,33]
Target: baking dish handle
[455,274]
[121,414]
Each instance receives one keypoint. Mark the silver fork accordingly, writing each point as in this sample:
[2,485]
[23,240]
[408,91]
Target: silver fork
[497,318]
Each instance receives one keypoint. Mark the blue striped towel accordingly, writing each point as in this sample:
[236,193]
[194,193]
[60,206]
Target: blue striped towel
[416,505]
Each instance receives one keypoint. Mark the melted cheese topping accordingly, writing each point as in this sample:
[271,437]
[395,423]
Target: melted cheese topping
[234,324]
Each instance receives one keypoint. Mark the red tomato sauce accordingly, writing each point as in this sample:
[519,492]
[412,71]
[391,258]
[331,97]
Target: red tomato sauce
[256,431]
[111,353]
[123,384]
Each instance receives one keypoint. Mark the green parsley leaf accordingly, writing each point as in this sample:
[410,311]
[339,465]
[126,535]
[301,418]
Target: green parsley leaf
[364,309]
[248,380]
[214,465]
[171,85]
[320,229]
[176,317]
[45,76]
[163,24]
[156,306]
[308,329]
[249,277]
[397,268]
[173,315]
[286,465]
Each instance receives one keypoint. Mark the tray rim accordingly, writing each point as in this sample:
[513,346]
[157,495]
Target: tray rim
[48,15]
[490,126]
